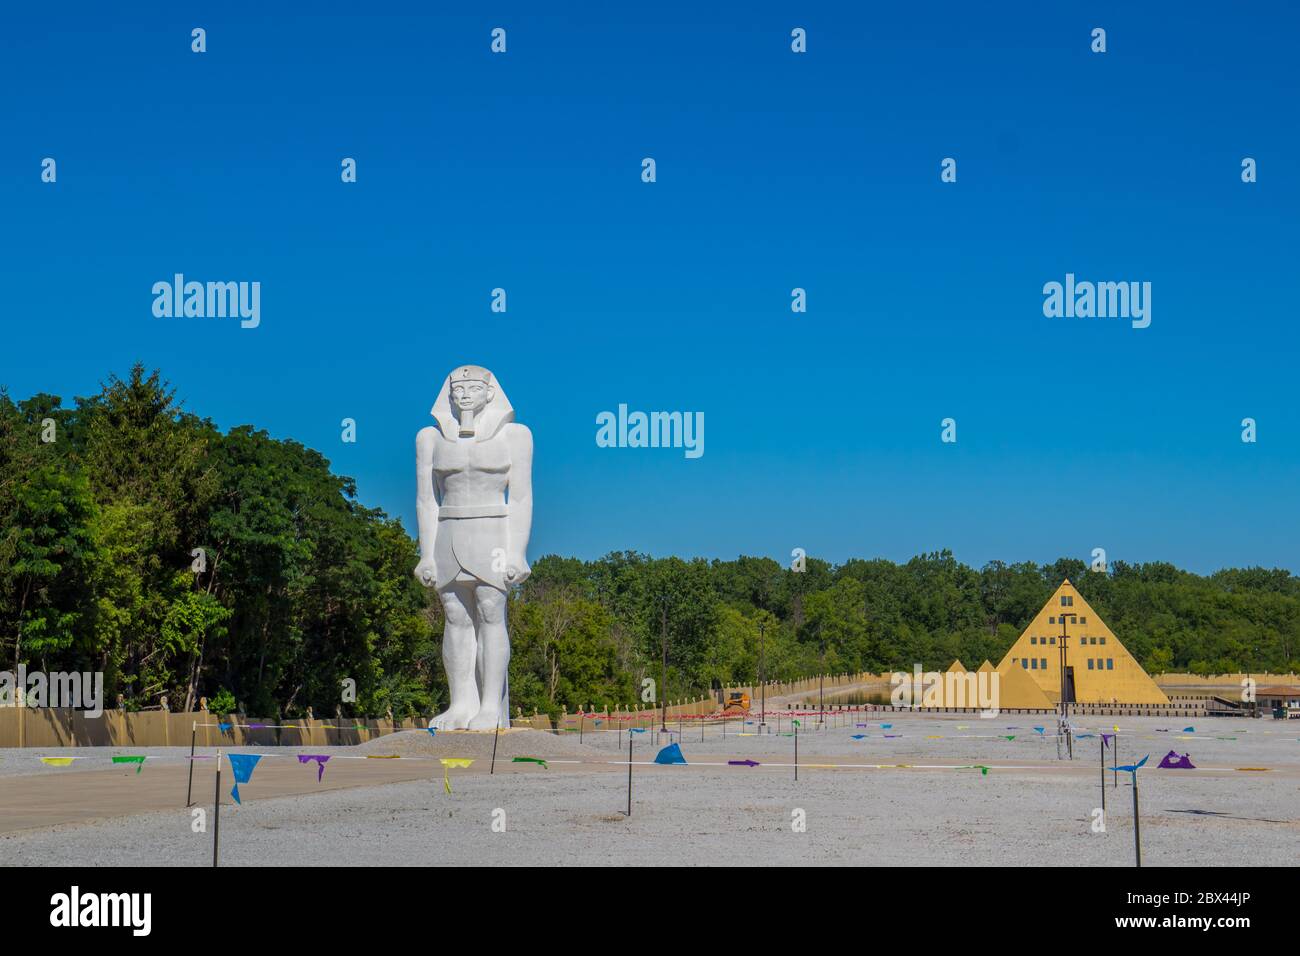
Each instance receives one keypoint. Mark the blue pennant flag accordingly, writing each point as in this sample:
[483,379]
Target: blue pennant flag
[670,754]
[242,765]
[1134,767]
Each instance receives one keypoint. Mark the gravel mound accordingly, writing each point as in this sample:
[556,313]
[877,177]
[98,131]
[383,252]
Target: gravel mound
[520,742]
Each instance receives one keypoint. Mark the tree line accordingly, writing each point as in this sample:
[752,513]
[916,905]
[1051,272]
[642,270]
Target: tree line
[140,540]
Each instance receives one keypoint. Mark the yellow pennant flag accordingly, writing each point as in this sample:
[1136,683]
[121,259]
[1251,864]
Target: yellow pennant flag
[57,761]
[447,764]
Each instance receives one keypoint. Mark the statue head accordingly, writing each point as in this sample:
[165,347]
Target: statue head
[471,404]
[471,391]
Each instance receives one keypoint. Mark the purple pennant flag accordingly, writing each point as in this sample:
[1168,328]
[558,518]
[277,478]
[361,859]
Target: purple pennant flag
[1176,761]
[256,726]
[320,763]
[1106,739]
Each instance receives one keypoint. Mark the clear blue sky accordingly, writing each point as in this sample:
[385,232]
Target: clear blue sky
[775,170]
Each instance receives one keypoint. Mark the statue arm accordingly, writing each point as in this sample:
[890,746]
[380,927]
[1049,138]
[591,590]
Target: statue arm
[520,519]
[426,503]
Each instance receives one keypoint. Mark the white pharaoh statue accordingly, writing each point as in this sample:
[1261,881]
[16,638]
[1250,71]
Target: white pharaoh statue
[474,503]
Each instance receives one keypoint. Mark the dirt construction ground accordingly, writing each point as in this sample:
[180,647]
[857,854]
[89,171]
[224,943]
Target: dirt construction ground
[910,793]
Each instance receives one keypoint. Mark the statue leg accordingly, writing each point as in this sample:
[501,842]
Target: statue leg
[459,653]
[494,650]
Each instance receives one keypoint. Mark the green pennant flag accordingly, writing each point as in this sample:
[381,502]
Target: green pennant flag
[138,761]
[1011,737]
[531,760]
[984,771]
[796,723]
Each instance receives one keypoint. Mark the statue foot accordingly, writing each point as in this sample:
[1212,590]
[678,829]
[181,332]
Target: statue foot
[453,718]
[486,719]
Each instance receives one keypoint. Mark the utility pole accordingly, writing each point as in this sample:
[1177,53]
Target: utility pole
[821,685]
[1065,704]
[663,687]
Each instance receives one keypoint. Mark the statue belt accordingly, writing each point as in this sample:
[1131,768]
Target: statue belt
[473,511]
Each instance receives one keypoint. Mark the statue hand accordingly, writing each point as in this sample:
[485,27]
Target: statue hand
[426,573]
[517,570]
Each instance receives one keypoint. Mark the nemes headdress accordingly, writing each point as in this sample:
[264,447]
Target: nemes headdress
[498,412]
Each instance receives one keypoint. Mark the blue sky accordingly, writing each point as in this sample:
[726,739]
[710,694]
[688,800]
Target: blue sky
[775,170]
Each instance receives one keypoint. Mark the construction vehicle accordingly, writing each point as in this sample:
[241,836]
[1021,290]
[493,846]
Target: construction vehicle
[737,701]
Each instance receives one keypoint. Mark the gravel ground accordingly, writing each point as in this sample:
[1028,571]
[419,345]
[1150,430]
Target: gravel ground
[706,815]
[409,743]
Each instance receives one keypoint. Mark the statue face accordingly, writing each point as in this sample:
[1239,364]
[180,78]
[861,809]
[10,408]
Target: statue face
[471,396]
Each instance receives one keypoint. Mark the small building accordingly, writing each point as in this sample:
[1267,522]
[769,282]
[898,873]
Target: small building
[1279,700]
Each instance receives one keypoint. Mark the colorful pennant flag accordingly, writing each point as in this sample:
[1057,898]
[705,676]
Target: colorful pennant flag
[242,765]
[1134,767]
[138,761]
[447,764]
[672,754]
[58,761]
[320,763]
[531,760]
[1176,761]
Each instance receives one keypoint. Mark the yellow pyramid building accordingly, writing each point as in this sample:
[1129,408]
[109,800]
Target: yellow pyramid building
[1016,689]
[1100,668]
